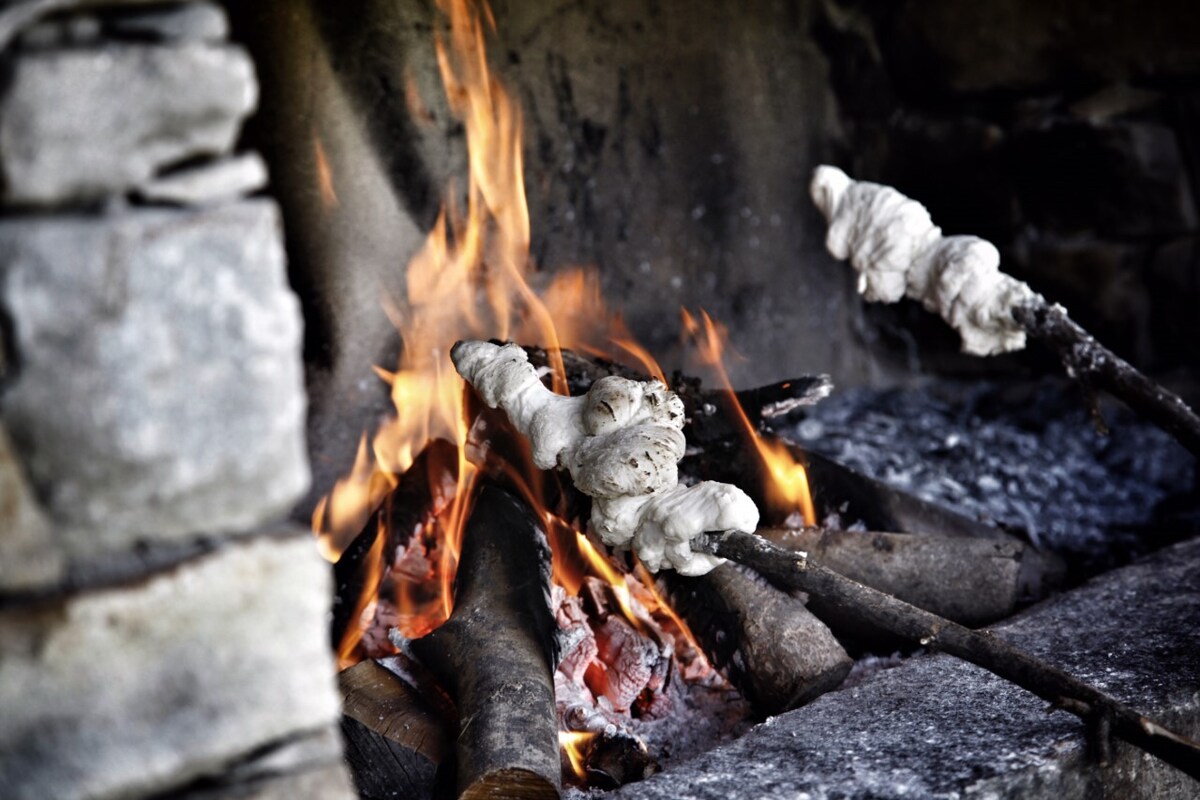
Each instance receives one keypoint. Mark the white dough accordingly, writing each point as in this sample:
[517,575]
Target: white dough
[898,251]
[621,442]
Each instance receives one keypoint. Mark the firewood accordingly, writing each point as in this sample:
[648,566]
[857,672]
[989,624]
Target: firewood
[495,655]
[1097,367]
[395,740]
[396,519]
[1103,714]
[771,647]
[970,581]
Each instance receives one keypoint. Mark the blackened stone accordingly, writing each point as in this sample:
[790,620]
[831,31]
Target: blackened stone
[159,390]
[946,46]
[939,727]
[1117,178]
[77,125]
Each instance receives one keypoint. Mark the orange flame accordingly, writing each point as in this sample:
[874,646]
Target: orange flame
[470,280]
[575,745]
[788,487]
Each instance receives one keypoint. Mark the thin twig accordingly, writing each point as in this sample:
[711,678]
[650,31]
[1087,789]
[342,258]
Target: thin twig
[983,648]
[1095,365]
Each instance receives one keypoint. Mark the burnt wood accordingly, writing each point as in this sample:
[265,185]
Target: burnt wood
[1095,366]
[1104,715]
[771,647]
[970,581]
[395,740]
[396,519]
[495,655]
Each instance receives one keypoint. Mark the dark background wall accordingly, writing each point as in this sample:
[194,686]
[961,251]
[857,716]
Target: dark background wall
[669,143]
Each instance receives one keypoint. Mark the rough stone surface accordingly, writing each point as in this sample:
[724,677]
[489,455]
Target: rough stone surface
[29,554]
[310,766]
[938,727]
[80,124]
[192,21]
[145,687]
[159,386]
[208,184]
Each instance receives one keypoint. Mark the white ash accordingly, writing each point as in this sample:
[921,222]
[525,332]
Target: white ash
[621,443]
[1022,456]
[897,250]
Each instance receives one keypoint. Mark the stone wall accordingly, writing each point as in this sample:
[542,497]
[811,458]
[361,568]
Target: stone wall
[162,630]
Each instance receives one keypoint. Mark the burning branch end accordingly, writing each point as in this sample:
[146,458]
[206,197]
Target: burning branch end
[621,442]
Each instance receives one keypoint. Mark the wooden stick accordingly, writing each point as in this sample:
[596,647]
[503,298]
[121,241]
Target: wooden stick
[771,647]
[982,648]
[1094,365]
[494,653]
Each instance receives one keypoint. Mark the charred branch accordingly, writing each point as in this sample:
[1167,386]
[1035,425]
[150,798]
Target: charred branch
[495,654]
[770,646]
[1097,367]
[394,740]
[1103,715]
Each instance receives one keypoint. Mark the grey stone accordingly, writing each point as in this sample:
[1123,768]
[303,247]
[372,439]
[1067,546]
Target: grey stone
[80,124]
[137,689]
[30,557]
[159,392]
[191,21]
[310,766]
[939,727]
[208,184]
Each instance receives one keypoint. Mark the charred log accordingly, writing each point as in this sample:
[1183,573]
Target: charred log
[1104,715]
[1097,367]
[392,526]
[395,741]
[770,646]
[495,655]
[970,581]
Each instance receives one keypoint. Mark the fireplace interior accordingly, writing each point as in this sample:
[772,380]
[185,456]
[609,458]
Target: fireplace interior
[261,540]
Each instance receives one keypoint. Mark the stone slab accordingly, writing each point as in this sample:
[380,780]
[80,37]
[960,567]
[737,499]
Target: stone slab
[936,727]
[29,554]
[80,124]
[141,688]
[159,389]
[208,184]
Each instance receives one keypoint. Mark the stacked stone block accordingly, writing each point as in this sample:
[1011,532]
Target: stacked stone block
[161,630]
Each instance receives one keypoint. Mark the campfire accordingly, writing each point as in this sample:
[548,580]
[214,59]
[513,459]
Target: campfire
[303,379]
[590,629]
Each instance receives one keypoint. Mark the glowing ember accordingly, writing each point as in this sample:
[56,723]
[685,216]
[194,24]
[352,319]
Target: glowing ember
[788,487]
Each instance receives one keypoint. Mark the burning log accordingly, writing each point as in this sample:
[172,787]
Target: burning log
[970,581]
[771,647]
[898,251]
[1104,715]
[495,654]
[389,529]
[394,740]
